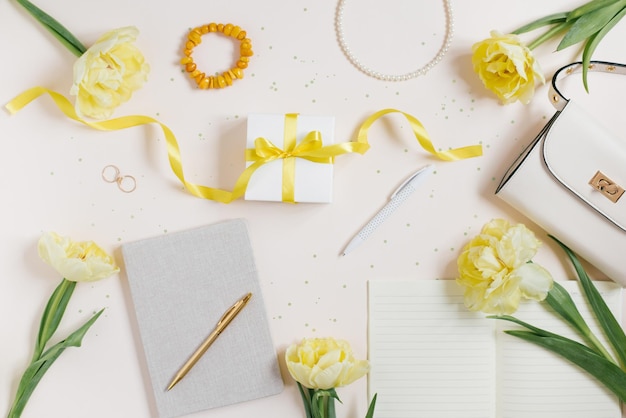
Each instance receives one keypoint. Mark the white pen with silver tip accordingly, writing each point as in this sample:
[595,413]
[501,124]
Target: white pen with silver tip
[397,198]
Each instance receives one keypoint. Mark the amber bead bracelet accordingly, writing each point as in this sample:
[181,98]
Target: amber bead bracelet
[226,78]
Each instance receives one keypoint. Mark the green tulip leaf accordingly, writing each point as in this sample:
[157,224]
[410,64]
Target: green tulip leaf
[37,369]
[563,305]
[608,322]
[593,42]
[538,331]
[594,344]
[561,302]
[589,24]
[370,410]
[605,371]
[29,382]
[544,21]
[532,328]
[589,7]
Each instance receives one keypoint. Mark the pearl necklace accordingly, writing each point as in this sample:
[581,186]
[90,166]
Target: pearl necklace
[387,77]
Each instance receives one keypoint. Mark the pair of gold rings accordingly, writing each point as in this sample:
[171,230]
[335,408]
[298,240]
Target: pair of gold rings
[111,174]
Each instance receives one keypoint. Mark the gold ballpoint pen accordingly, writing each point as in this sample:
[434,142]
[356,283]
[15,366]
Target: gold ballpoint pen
[228,316]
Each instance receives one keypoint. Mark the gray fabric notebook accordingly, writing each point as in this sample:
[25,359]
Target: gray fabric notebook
[181,284]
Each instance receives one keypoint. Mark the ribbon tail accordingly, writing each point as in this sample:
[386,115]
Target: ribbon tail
[422,137]
[23,99]
[242,182]
[173,149]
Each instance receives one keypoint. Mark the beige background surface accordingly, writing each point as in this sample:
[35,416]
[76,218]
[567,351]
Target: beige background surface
[51,172]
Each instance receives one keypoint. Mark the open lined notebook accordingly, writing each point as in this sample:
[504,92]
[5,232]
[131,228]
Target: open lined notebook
[433,358]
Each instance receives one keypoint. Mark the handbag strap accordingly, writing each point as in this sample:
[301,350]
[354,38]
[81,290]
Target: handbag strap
[556,97]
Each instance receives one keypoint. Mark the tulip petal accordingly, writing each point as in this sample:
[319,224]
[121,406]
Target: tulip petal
[76,261]
[495,271]
[535,281]
[324,363]
[506,67]
[107,74]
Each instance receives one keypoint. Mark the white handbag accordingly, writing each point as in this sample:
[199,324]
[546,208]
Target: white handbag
[570,179]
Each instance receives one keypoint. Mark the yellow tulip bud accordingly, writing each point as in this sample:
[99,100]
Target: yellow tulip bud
[324,363]
[496,271]
[507,67]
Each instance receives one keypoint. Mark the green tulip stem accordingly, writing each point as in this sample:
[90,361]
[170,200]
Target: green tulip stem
[562,304]
[611,327]
[53,314]
[323,407]
[595,342]
[57,29]
[305,393]
[330,406]
[320,403]
[549,34]
[323,403]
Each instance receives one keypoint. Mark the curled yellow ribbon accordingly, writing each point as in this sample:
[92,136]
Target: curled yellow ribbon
[173,150]
[264,151]
[422,137]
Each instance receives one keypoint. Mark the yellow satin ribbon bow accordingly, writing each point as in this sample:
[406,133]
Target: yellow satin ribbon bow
[312,149]
[266,151]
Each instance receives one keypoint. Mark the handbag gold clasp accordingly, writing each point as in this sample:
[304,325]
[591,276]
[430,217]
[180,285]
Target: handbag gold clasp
[606,186]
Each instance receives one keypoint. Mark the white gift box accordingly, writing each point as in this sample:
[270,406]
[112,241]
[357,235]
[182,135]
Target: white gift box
[313,182]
